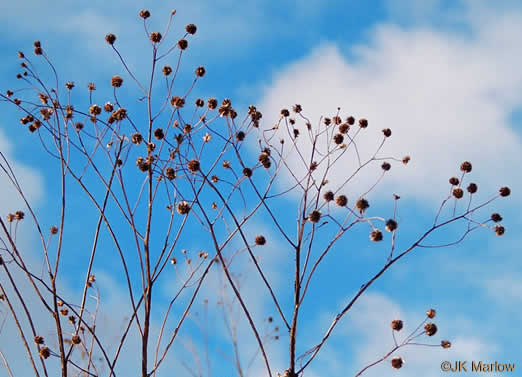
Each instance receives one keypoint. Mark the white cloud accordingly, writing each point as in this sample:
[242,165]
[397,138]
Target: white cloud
[447,97]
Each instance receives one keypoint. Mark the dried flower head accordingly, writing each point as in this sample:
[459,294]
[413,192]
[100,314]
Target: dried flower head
[167,70]
[314,216]
[159,134]
[45,352]
[445,344]
[91,87]
[458,193]
[136,138]
[212,103]
[297,108]
[391,225]
[69,85]
[338,139]
[504,191]
[472,188]
[116,81]
[376,235]
[260,240]
[387,132]
[363,123]
[183,208]
[496,217]
[200,71]
[78,126]
[386,166]
[38,51]
[38,339]
[397,324]
[499,230]
[193,165]
[397,362]
[328,196]
[344,128]
[110,38]
[170,173]
[54,229]
[341,200]
[19,215]
[108,107]
[327,121]
[362,205]
[430,313]
[466,167]
[406,159]
[240,136]
[144,13]
[155,37]
[226,164]
[95,110]
[430,329]
[177,101]
[191,29]
[247,172]
[64,311]
[182,44]
[454,181]
[75,339]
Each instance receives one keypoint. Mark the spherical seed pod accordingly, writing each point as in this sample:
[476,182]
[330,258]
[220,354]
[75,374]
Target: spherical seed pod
[247,172]
[183,208]
[499,230]
[182,44]
[155,37]
[387,132]
[397,325]
[496,217]
[159,134]
[362,205]
[338,139]
[328,196]
[391,225]
[144,13]
[116,81]
[170,173]
[430,313]
[397,362]
[504,191]
[191,29]
[240,136]
[260,240]
[200,71]
[466,167]
[45,352]
[430,329]
[314,216]
[376,235]
[363,123]
[386,166]
[458,193]
[445,344]
[75,339]
[472,188]
[285,112]
[193,165]
[341,200]
[454,181]
[136,138]
[167,70]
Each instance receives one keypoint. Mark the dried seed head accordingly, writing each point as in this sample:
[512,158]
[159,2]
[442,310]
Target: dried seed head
[75,339]
[430,313]
[430,329]
[285,112]
[397,362]
[344,128]
[391,225]
[187,128]
[10,217]
[177,101]
[240,136]
[167,70]
[297,108]
[119,114]
[183,208]
[338,139]
[116,81]
[91,87]
[159,134]
[136,138]
[108,107]
[215,178]
[397,325]
[337,120]
[504,191]
[38,51]
[350,120]
[314,216]
[38,339]
[170,173]
[247,172]
[260,240]
[376,235]
[465,167]
[191,29]
[182,44]
[363,123]
[78,126]
[155,37]
[212,103]
[193,165]
[499,230]
[21,55]
[64,311]
[69,85]
[387,132]
[341,200]
[406,159]
[200,71]
[458,193]
[54,229]
[327,121]
[226,164]
[45,352]
[328,196]
[144,13]
[472,188]
[200,102]
[445,344]
[95,110]
[19,215]
[496,217]
[296,132]
[362,205]
[110,38]
[386,166]
[454,181]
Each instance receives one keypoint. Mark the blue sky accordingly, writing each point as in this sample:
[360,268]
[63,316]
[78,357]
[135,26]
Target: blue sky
[444,76]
